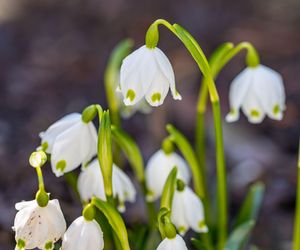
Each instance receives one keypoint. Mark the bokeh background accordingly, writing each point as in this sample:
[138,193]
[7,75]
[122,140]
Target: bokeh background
[52,57]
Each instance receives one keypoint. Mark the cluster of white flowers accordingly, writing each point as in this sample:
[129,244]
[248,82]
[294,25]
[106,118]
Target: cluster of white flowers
[187,209]
[258,90]
[72,142]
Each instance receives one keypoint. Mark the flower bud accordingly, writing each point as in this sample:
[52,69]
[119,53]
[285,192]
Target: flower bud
[37,159]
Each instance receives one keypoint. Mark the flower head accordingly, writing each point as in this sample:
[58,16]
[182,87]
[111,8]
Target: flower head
[259,91]
[90,183]
[71,142]
[159,167]
[38,227]
[83,235]
[187,211]
[176,243]
[147,72]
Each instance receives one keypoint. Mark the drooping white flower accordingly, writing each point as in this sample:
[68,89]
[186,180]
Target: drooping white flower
[159,167]
[90,183]
[259,91]
[187,212]
[71,142]
[83,235]
[147,72]
[176,243]
[38,227]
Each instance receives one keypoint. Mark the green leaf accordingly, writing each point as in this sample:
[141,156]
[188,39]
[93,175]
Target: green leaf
[188,153]
[169,189]
[239,236]
[251,204]
[111,77]
[131,151]
[115,220]
[105,152]
[194,48]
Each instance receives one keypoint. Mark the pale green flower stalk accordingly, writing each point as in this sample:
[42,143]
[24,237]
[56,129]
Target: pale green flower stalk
[296,242]
[195,50]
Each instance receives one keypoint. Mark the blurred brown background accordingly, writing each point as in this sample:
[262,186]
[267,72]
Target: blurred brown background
[52,57]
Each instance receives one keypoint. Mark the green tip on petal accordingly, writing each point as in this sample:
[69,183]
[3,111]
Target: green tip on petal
[181,229]
[156,97]
[21,244]
[180,185]
[254,113]
[202,224]
[276,109]
[130,95]
[49,245]
[232,111]
[61,165]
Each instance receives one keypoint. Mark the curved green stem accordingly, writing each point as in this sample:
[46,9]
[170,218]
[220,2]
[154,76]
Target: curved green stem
[296,241]
[198,55]
[40,178]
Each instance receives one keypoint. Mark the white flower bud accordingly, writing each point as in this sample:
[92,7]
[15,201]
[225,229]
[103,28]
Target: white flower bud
[159,167]
[147,72]
[259,91]
[38,227]
[71,142]
[83,235]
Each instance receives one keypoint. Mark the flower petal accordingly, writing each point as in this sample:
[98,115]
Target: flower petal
[167,69]
[158,90]
[194,211]
[57,128]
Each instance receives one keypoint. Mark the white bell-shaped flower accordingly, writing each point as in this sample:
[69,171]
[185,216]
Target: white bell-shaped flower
[71,142]
[90,183]
[83,235]
[147,72]
[159,167]
[187,212]
[38,227]
[259,91]
[176,243]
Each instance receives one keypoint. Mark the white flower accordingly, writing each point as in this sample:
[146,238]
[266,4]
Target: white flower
[71,142]
[159,167]
[176,243]
[83,235]
[187,212]
[90,183]
[259,91]
[38,227]
[147,72]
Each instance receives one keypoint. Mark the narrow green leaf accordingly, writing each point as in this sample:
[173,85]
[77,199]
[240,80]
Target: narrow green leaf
[131,151]
[169,189]
[194,48]
[115,220]
[251,204]
[239,236]
[105,152]
[111,77]
[188,153]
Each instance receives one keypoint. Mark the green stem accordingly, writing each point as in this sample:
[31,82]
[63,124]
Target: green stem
[221,177]
[196,52]
[40,178]
[296,242]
